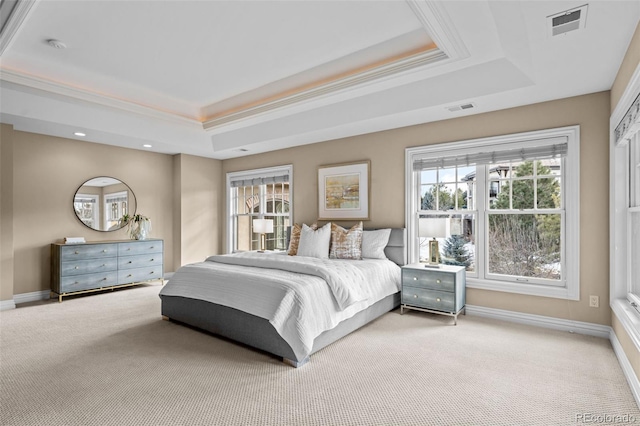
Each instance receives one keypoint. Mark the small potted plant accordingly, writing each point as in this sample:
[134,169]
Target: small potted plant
[138,226]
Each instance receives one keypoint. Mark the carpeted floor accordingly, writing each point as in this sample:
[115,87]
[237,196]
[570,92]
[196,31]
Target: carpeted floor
[109,359]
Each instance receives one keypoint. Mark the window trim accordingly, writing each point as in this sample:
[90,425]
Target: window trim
[628,316]
[571,193]
[251,174]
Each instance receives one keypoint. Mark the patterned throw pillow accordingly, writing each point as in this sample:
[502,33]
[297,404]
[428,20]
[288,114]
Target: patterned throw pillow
[346,244]
[294,242]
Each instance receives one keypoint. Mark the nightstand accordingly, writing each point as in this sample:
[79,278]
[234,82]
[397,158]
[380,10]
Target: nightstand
[435,290]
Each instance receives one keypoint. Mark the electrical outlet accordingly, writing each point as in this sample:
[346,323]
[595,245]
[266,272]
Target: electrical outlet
[594,301]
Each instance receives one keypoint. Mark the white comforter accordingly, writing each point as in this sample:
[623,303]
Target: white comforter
[300,296]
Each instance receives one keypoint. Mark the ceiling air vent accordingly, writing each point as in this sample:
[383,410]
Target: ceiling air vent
[461,107]
[569,20]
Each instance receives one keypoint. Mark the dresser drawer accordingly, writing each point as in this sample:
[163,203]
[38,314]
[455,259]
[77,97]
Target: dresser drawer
[88,281]
[430,299]
[89,251]
[89,266]
[433,279]
[126,276]
[140,261]
[139,247]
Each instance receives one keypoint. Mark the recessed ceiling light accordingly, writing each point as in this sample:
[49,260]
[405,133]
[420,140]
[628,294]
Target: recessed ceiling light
[80,134]
[146,145]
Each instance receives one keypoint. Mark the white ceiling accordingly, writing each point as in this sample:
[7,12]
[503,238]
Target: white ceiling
[223,79]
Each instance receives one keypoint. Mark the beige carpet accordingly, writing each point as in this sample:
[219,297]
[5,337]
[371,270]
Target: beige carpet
[109,359]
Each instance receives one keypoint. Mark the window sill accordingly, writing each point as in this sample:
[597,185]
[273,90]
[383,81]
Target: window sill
[528,289]
[629,318]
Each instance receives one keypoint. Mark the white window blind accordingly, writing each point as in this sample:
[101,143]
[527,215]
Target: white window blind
[549,148]
[261,180]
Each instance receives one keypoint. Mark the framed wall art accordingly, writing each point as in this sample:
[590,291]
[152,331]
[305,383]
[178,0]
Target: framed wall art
[343,191]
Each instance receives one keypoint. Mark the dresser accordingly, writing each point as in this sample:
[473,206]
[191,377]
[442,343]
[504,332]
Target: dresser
[435,290]
[105,265]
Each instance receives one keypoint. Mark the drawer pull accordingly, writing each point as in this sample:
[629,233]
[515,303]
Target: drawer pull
[104,279]
[438,281]
[152,260]
[415,296]
[129,262]
[151,273]
[104,264]
[104,251]
[128,275]
[415,278]
[152,247]
[437,299]
[76,252]
[76,267]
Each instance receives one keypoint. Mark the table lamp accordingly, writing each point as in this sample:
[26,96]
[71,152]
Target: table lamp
[433,228]
[262,227]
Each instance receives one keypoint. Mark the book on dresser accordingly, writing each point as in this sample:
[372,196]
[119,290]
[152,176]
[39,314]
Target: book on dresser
[104,265]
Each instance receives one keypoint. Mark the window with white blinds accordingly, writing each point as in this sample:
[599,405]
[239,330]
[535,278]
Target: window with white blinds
[510,205]
[258,194]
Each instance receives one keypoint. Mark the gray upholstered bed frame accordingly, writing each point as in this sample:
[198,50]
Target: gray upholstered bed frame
[259,333]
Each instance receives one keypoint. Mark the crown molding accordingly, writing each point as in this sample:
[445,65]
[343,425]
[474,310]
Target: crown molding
[15,19]
[48,86]
[438,25]
[333,87]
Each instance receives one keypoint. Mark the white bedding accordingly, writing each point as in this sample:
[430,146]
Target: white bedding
[300,296]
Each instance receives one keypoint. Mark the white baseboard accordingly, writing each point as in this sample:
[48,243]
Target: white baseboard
[570,326]
[31,297]
[7,304]
[627,369]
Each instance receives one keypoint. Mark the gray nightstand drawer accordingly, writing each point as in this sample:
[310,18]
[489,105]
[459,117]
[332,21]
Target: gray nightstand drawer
[430,299]
[88,281]
[89,266]
[433,279]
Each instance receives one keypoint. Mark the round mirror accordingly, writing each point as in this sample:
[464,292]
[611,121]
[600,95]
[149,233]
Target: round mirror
[101,202]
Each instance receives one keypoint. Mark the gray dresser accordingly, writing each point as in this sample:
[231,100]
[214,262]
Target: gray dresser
[94,266]
[436,290]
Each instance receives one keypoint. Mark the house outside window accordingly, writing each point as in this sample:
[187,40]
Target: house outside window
[258,194]
[510,206]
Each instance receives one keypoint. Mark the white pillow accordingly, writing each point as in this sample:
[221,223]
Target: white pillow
[374,242]
[315,243]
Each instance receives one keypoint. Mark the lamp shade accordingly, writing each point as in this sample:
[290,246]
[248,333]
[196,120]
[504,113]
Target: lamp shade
[262,226]
[432,227]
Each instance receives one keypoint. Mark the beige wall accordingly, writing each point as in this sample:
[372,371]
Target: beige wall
[386,151]
[198,192]
[6,212]
[40,175]
[630,63]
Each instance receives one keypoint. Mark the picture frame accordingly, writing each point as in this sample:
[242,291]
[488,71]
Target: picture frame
[344,191]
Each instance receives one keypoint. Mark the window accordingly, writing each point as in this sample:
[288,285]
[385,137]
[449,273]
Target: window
[633,221]
[510,208]
[624,213]
[254,194]
[115,206]
[86,207]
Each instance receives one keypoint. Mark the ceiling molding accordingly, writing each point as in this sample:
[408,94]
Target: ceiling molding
[16,17]
[84,95]
[376,74]
[438,25]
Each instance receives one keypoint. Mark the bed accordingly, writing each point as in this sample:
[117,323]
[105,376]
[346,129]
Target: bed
[289,306]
